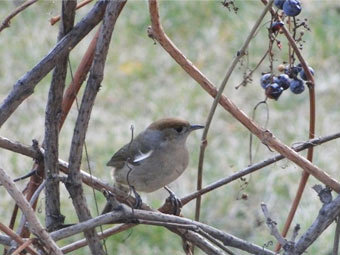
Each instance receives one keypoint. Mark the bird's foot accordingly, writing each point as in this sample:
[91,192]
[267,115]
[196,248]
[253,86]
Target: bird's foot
[112,203]
[138,199]
[174,201]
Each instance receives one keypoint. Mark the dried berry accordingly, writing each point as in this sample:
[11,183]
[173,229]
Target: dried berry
[276,26]
[273,91]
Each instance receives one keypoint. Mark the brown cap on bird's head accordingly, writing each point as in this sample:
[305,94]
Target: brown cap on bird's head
[173,123]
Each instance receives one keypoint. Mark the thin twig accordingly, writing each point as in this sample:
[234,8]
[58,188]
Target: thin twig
[74,180]
[24,87]
[7,21]
[33,222]
[33,201]
[79,5]
[272,225]
[23,246]
[230,70]
[264,135]
[15,237]
[257,166]
[311,135]
[336,237]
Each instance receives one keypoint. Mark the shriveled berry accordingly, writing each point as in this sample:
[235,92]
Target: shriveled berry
[279,3]
[276,26]
[292,7]
[266,79]
[303,74]
[283,81]
[293,71]
[296,86]
[274,91]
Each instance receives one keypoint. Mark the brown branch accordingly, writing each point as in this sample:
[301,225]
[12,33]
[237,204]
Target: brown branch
[102,235]
[264,135]
[81,4]
[15,237]
[34,225]
[54,219]
[311,84]
[7,21]
[24,87]
[78,79]
[257,166]
[217,98]
[23,247]
[74,181]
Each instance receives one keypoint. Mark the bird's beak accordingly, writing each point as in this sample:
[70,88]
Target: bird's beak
[195,127]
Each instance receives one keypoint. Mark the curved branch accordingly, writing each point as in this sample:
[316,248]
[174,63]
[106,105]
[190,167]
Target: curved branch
[264,135]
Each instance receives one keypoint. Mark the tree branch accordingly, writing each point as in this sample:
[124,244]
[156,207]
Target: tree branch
[265,136]
[24,87]
[34,225]
[257,166]
[74,182]
[54,219]
[7,21]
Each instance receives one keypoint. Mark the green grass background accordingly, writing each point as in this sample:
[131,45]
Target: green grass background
[142,83]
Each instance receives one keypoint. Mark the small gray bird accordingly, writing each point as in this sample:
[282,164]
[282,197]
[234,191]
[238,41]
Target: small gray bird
[155,158]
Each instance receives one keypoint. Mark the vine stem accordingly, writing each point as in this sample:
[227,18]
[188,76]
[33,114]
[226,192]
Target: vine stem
[312,120]
[230,70]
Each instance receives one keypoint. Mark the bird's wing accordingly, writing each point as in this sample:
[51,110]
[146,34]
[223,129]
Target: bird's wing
[132,152]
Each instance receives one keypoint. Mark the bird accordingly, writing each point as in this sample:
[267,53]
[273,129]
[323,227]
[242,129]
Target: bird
[155,158]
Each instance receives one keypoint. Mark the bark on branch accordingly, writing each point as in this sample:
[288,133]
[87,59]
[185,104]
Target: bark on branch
[74,182]
[24,87]
[54,219]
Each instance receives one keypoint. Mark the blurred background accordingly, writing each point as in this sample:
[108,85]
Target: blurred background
[143,83]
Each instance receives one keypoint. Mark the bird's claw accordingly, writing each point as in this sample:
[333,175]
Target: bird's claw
[138,199]
[174,201]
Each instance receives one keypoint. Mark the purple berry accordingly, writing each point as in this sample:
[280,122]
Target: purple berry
[273,91]
[283,81]
[304,76]
[279,3]
[292,7]
[296,86]
[266,79]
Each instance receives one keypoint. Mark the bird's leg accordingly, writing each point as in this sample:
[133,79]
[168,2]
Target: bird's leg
[174,201]
[139,202]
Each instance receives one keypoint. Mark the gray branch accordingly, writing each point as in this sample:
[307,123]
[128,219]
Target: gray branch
[54,219]
[327,215]
[24,87]
[125,214]
[74,182]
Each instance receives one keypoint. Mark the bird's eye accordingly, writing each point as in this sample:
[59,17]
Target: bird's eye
[179,129]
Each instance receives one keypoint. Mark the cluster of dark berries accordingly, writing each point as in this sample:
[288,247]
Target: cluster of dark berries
[290,7]
[275,85]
